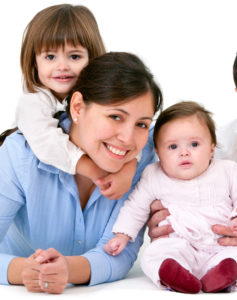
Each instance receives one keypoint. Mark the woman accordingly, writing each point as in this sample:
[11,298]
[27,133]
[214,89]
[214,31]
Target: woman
[111,110]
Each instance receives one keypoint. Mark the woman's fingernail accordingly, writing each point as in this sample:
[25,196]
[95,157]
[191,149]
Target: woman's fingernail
[39,258]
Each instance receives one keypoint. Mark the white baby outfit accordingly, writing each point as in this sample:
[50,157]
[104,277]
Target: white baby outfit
[195,205]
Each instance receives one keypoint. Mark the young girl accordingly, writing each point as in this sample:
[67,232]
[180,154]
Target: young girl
[57,44]
[198,191]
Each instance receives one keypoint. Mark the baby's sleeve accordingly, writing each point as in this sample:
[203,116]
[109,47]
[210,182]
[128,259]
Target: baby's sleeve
[136,209]
[35,119]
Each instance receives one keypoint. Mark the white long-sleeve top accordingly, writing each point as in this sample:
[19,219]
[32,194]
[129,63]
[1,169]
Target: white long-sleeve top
[195,205]
[35,118]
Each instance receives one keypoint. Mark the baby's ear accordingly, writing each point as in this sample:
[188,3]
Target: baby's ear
[213,147]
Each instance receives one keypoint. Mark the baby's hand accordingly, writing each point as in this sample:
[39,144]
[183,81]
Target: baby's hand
[233,224]
[116,245]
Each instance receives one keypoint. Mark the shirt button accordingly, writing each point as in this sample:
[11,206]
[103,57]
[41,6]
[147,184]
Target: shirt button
[79,242]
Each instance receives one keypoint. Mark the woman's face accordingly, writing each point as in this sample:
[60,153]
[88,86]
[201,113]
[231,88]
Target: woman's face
[111,134]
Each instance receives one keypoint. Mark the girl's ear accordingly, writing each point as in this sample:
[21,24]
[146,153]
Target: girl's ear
[76,104]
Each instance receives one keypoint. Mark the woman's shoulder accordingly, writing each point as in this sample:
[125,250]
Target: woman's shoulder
[15,149]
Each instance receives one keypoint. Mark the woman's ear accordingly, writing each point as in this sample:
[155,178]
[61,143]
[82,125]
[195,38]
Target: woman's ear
[76,104]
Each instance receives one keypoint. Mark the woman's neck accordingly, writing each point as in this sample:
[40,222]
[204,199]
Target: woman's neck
[85,189]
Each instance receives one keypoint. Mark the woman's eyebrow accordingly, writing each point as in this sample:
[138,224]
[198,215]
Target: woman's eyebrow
[126,113]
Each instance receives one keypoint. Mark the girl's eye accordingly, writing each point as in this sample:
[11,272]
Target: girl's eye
[115,117]
[50,57]
[194,144]
[173,146]
[75,56]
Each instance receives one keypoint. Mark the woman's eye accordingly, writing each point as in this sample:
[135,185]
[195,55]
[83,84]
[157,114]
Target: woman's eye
[115,117]
[50,57]
[195,144]
[75,56]
[142,125]
[173,146]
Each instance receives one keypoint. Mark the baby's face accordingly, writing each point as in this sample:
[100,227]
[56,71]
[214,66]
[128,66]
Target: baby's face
[185,148]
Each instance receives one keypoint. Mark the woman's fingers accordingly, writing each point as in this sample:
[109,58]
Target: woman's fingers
[47,255]
[30,275]
[157,217]
[54,271]
[229,236]
[160,232]
[155,206]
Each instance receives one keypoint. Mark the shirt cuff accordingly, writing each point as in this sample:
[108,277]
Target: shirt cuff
[4,264]
[99,274]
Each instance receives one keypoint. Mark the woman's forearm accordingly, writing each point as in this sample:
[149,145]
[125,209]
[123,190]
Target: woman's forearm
[79,270]
[15,269]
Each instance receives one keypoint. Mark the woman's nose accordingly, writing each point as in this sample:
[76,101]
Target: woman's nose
[126,135]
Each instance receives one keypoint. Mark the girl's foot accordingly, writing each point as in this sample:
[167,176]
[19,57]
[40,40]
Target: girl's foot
[173,275]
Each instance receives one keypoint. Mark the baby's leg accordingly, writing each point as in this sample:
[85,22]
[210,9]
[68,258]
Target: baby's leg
[169,261]
[220,271]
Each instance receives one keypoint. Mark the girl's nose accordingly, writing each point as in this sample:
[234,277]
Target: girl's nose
[62,64]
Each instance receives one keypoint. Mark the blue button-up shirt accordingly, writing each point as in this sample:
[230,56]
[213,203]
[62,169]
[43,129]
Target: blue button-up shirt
[40,208]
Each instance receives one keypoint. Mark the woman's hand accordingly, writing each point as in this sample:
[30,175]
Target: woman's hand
[53,271]
[158,214]
[30,273]
[229,235]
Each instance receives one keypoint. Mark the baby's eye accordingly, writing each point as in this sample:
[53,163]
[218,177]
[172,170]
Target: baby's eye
[195,144]
[75,56]
[173,146]
[115,117]
[50,57]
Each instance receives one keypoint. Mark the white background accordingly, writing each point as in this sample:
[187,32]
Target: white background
[189,45]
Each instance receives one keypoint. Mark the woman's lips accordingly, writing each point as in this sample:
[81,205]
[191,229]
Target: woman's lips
[116,151]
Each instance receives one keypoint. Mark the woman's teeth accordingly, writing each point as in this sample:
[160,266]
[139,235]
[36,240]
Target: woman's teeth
[116,151]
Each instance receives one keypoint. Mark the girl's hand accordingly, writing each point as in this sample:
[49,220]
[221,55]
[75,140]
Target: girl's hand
[115,185]
[158,214]
[30,273]
[53,271]
[229,235]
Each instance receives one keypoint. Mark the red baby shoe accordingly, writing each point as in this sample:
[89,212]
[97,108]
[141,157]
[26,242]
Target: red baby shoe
[173,275]
[220,277]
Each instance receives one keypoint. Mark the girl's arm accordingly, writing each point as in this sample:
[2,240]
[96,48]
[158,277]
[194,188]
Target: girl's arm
[35,118]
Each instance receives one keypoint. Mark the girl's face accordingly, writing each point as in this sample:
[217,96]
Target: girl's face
[58,69]
[111,134]
[185,147]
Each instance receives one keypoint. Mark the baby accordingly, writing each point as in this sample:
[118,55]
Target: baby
[198,192]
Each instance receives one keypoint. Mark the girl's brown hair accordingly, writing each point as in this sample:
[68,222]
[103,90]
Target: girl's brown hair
[53,27]
[181,110]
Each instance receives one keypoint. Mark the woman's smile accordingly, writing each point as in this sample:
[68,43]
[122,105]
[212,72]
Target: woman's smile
[119,153]
[112,135]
